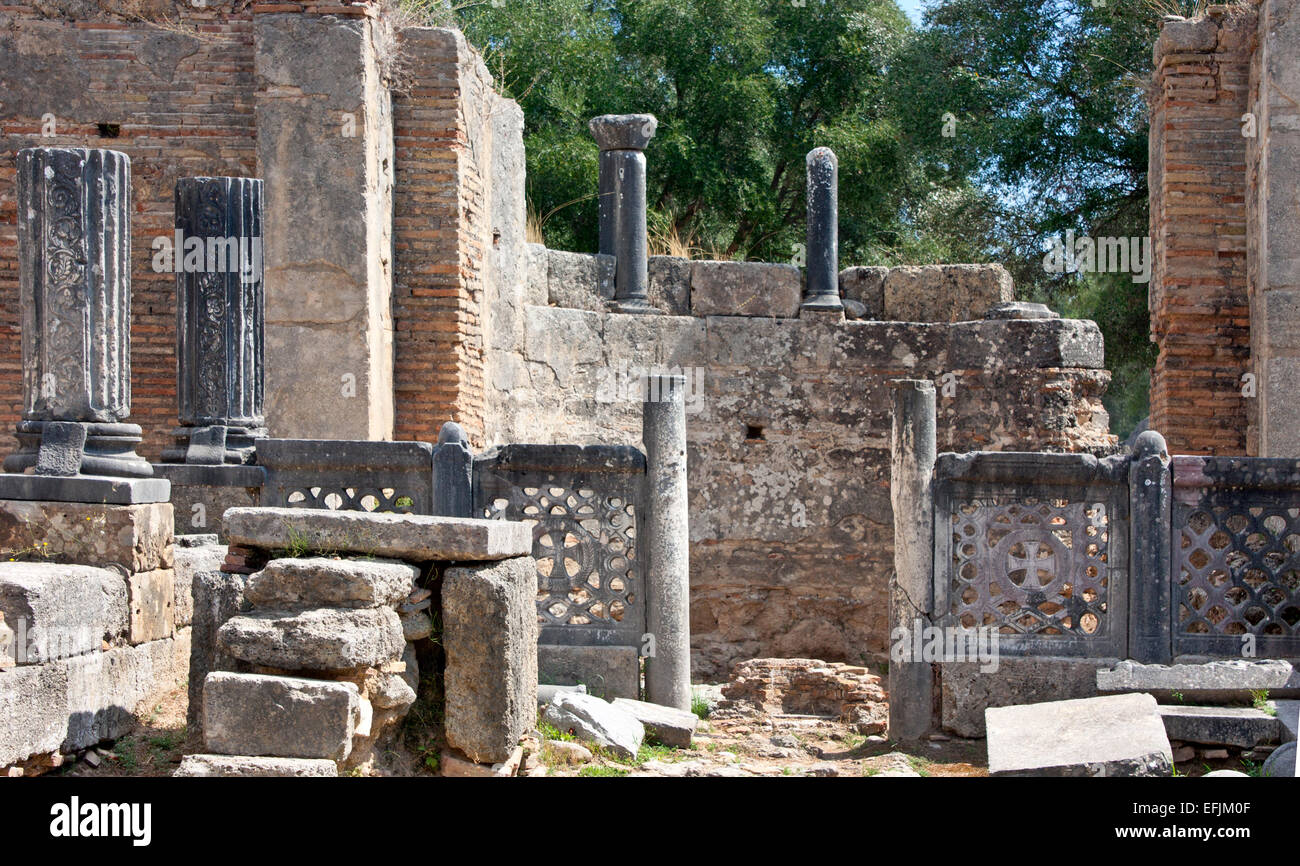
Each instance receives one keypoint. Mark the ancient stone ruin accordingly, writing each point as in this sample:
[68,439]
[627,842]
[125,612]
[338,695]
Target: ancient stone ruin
[368,484]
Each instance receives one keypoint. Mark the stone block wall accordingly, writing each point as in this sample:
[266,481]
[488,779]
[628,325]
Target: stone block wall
[788,426]
[93,624]
[179,101]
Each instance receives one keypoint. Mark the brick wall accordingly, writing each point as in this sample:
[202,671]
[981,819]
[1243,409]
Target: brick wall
[1198,299]
[439,252]
[181,100]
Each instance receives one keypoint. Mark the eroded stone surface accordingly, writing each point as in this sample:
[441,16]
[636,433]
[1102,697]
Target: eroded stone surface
[1115,735]
[242,766]
[250,714]
[595,721]
[136,537]
[324,581]
[318,639]
[416,538]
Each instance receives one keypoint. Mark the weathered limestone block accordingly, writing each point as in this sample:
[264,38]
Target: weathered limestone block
[218,596]
[945,293]
[670,284]
[191,561]
[325,582]
[321,639]
[579,281]
[328,226]
[152,600]
[670,726]
[1027,343]
[489,636]
[866,285]
[1242,727]
[745,289]
[58,611]
[286,717]
[242,766]
[606,671]
[416,538]
[1116,735]
[967,691]
[136,537]
[592,720]
[33,711]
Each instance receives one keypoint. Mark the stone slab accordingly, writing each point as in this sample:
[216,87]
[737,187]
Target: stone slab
[225,475]
[58,611]
[152,597]
[218,595]
[1114,735]
[668,725]
[607,671]
[84,488]
[324,581]
[33,711]
[745,289]
[134,537]
[1243,727]
[967,691]
[594,721]
[489,636]
[285,717]
[1212,681]
[317,639]
[866,285]
[415,538]
[242,766]
[945,293]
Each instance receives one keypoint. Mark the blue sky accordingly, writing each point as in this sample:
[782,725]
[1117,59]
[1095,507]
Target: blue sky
[912,8]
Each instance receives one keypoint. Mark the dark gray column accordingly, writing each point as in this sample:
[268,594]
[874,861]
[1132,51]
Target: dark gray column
[74,248]
[911,683]
[622,138]
[219,320]
[453,468]
[822,290]
[1150,485]
[668,543]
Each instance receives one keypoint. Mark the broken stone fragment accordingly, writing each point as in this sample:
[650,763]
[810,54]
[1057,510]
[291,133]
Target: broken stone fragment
[670,726]
[245,766]
[594,721]
[322,639]
[328,582]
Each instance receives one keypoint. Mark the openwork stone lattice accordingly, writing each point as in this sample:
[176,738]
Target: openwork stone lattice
[585,510]
[347,475]
[1031,567]
[1036,548]
[350,499]
[1237,571]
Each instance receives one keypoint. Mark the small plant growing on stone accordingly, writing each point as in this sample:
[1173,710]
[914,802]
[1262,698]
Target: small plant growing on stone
[1259,700]
[601,772]
[1178,696]
[700,706]
[1252,768]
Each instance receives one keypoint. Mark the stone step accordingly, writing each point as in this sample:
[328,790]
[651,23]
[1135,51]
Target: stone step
[1243,727]
[412,537]
[245,766]
[285,717]
[1114,735]
[1211,682]
[669,725]
[328,582]
[319,639]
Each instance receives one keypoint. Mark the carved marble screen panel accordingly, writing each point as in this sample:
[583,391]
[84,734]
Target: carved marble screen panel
[586,506]
[1034,547]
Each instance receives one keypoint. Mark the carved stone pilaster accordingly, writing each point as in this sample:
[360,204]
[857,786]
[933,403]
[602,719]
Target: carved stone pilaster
[74,247]
[219,320]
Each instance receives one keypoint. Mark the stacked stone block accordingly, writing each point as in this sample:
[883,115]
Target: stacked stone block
[319,637]
[93,624]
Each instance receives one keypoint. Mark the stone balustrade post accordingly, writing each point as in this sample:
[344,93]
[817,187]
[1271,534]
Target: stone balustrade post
[453,469]
[668,543]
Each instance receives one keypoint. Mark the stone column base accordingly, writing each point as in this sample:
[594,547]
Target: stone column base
[78,448]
